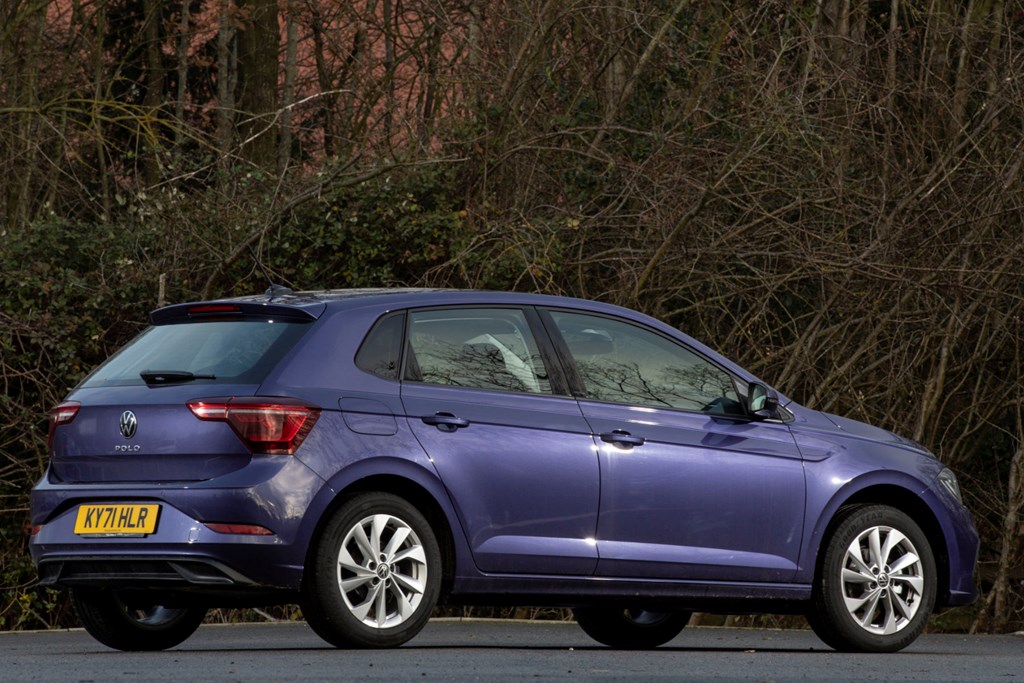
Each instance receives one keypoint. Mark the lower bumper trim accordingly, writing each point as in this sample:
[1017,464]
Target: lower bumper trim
[142,571]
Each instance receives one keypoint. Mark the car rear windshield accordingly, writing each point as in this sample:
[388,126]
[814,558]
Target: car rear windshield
[218,352]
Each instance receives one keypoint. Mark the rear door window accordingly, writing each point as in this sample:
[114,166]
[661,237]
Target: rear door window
[218,352]
[478,348]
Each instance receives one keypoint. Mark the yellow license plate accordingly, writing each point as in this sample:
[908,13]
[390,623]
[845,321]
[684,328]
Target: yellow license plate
[117,519]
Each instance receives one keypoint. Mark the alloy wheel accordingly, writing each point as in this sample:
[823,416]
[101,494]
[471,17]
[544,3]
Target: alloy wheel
[883,580]
[382,571]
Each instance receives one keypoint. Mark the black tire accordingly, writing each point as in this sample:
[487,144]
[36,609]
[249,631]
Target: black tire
[132,626]
[630,629]
[876,583]
[387,596]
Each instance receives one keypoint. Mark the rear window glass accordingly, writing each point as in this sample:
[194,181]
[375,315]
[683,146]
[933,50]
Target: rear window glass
[217,352]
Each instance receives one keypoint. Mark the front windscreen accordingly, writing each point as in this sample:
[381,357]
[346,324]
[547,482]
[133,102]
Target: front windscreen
[218,352]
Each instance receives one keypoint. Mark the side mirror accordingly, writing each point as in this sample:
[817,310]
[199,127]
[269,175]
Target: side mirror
[762,402]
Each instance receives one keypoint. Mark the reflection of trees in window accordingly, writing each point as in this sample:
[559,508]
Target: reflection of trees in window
[704,380]
[690,387]
[476,349]
[477,366]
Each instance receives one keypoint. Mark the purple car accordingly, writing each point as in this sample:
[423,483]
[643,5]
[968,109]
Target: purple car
[369,454]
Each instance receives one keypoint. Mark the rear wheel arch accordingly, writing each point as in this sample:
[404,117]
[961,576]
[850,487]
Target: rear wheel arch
[905,501]
[411,491]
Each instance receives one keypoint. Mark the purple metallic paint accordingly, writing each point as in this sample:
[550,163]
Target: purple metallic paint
[535,507]
[668,512]
[523,476]
[273,491]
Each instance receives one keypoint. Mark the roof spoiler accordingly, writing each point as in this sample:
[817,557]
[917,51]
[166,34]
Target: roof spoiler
[234,310]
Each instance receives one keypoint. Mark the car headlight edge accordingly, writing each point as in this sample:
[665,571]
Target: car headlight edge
[948,480]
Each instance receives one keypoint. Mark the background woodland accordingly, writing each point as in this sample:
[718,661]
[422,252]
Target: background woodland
[828,191]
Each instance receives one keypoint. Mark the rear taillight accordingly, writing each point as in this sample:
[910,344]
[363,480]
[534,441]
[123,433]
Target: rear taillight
[61,415]
[265,426]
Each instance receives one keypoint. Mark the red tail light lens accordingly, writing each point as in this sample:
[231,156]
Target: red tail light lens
[213,309]
[240,529]
[275,428]
[61,415]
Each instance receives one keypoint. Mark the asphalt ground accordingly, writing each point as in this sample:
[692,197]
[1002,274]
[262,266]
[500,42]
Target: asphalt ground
[485,650]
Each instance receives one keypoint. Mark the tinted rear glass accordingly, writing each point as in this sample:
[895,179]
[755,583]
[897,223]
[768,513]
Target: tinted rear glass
[231,351]
[381,351]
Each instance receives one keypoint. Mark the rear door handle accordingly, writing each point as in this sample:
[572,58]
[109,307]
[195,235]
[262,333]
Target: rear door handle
[621,437]
[446,422]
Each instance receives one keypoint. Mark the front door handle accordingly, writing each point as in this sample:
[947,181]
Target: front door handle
[446,422]
[621,437]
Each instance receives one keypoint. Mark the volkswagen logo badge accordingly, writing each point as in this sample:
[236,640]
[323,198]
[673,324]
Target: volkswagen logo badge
[128,424]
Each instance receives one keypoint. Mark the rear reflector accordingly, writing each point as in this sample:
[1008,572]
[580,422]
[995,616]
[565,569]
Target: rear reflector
[265,426]
[61,415]
[241,529]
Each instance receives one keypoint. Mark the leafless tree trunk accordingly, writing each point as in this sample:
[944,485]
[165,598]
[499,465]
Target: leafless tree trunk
[258,47]
[153,99]
[99,96]
[20,64]
[226,70]
[184,36]
[288,90]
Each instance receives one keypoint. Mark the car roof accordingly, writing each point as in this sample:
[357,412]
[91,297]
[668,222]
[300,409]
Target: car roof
[399,297]
[313,304]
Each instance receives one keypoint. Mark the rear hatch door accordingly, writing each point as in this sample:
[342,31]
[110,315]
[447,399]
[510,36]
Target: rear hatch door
[130,420]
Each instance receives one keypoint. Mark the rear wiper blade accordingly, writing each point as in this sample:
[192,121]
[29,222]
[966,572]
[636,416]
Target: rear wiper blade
[171,376]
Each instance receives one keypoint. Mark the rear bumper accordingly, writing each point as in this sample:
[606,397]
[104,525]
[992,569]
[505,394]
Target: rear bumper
[273,492]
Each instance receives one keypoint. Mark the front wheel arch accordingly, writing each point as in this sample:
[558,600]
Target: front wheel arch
[858,603]
[908,503]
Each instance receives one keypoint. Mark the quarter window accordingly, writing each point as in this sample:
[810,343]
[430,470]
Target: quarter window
[477,348]
[619,362]
[381,350]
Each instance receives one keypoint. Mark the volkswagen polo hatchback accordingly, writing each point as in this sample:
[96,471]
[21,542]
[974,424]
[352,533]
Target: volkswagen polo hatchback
[369,454]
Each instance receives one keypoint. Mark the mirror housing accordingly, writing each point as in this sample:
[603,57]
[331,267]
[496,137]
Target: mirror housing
[762,401]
